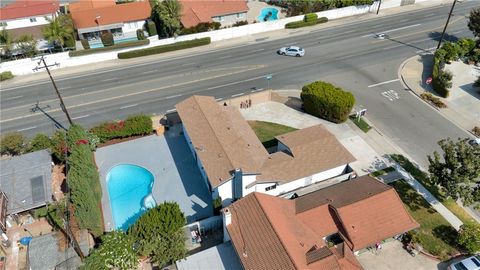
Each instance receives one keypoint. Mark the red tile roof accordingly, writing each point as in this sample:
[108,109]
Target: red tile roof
[197,11]
[25,9]
[269,233]
[84,17]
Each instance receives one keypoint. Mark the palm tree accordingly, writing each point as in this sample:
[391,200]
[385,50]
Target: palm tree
[167,13]
[58,31]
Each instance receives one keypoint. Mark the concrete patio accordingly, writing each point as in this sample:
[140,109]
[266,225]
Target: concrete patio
[170,161]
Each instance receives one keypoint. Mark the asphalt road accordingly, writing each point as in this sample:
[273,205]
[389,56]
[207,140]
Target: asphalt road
[346,55]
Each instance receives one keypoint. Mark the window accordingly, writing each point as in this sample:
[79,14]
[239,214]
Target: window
[460,266]
[271,187]
[3,23]
[33,19]
[240,15]
[136,24]
[221,18]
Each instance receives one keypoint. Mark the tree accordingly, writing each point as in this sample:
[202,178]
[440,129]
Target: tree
[459,171]
[27,45]
[167,14]
[474,21]
[115,252]
[12,143]
[58,146]
[6,42]
[40,142]
[470,236]
[159,233]
[59,31]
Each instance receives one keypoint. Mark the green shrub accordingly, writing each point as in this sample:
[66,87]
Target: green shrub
[298,24]
[59,145]
[465,46]
[111,48]
[240,23]
[433,100]
[327,101]
[451,51]
[12,143]
[107,39]
[40,142]
[85,45]
[152,28]
[322,20]
[133,126]
[200,28]
[441,80]
[6,75]
[310,17]
[140,34]
[165,48]
[476,131]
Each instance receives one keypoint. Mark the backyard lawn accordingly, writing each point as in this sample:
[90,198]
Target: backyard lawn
[435,234]
[266,131]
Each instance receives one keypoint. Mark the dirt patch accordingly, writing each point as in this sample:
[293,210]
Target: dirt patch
[58,182]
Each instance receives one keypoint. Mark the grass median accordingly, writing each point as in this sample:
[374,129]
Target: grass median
[361,124]
[165,48]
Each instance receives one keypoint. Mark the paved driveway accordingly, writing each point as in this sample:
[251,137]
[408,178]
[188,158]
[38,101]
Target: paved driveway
[169,159]
[393,257]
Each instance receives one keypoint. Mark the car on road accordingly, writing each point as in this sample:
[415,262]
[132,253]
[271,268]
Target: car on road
[474,142]
[292,51]
[471,263]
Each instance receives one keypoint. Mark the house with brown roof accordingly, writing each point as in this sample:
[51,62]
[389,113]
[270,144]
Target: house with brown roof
[321,230]
[234,163]
[226,12]
[92,18]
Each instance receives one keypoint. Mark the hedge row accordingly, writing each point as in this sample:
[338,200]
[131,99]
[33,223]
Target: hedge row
[6,75]
[110,48]
[327,101]
[305,22]
[133,126]
[165,48]
[83,181]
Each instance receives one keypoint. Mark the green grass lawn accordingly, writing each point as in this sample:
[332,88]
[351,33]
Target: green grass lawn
[361,124]
[266,131]
[423,178]
[435,234]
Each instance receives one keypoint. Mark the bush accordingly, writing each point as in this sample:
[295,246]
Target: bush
[140,34]
[310,17]
[465,46]
[111,48]
[12,143]
[298,24]
[240,23]
[107,39]
[59,145]
[200,28]
[40,142]
[85,44]
[433,100]
[470,237]
[152,28]
[133,126]
[476,131]
[441,80]
[165,48]
[451,51]
[6,75]
[327,101]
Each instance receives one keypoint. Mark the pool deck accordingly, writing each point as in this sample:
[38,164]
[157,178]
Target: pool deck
[169,159]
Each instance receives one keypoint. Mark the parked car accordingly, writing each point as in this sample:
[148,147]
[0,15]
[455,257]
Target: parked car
[291,51]
[471,263]
[474,141]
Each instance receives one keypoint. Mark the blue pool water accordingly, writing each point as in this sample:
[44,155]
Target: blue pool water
[270,13]
[129,189]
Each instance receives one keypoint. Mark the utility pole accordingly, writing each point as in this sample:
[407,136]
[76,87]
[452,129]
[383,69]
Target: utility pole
[45,66]
[446,24]
[379,4]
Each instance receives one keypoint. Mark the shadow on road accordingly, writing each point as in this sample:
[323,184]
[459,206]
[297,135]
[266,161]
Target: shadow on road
[38,108]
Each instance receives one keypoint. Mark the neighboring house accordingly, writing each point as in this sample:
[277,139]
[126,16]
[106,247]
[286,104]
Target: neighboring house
[28,17]
[226,12]
[320,230]
[219,257]
[234,163]
[26,180]
[91,18]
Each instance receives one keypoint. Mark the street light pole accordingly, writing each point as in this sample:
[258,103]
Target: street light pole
[446,24]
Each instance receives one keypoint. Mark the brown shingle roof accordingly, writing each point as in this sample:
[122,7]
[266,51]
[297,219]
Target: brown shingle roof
[314,150]
[268,232]
[197,11]
[222,138]
[84,17]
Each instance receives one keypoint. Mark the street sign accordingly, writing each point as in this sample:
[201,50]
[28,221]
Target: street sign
[428,80]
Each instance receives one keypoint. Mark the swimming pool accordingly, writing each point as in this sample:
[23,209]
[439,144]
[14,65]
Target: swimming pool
[268,14]
[129,189]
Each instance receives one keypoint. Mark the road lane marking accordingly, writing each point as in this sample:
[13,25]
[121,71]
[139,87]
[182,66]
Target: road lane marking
[426,50]
[257,90]
[259,50]
[109,79]
[391,95]
[28,128]
[392,47]
[63,88]
[80,117]
[393,30]
[218,99]
[377,84]
[233,83]
[15,97]
[237,95]
[150,71]
[225,57]
[174,96]
[189,64]
[172,110]
[128,106]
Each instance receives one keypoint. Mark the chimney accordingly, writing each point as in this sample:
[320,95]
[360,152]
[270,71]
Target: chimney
[227,220]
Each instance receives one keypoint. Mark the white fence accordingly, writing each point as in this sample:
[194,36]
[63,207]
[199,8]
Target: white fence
[27,66]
